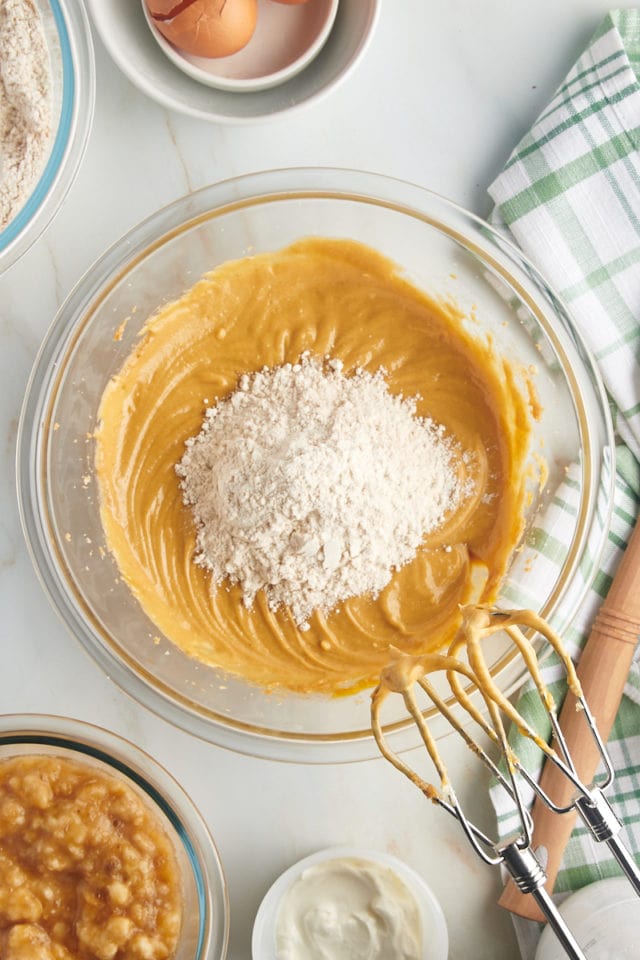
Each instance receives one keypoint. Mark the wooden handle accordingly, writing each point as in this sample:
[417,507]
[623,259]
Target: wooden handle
[603,669]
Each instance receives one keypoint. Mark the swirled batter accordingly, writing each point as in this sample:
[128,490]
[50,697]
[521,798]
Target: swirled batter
[332,298]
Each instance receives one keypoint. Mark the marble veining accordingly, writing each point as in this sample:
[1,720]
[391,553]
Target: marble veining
[444,92]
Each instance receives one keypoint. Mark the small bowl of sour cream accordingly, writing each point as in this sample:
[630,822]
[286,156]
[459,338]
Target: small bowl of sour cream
[349,902]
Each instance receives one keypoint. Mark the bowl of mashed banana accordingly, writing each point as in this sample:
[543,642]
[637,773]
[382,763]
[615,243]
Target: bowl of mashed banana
[47,92]
[296,420]
[102,852]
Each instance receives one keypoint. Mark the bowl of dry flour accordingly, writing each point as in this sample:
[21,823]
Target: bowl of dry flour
[47,86]
[212,539]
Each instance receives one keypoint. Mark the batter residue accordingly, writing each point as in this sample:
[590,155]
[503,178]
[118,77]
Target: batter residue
[330,298]
[465,662]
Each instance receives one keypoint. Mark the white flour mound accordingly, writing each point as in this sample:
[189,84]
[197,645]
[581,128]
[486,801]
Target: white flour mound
[314,486]
[25,103]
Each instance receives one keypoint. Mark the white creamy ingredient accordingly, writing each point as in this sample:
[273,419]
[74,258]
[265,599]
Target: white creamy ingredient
[314,486]
[349,909]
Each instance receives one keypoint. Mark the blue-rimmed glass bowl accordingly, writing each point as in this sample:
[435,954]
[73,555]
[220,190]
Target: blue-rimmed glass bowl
[205,925]
[68,38]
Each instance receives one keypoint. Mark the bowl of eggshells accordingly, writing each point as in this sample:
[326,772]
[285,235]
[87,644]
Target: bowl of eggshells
[236,61]
[294,421]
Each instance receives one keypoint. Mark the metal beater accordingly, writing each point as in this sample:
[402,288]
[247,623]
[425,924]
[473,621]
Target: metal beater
[405,672]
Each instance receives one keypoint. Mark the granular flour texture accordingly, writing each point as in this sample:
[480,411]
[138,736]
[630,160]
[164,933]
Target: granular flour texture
[25,104]
[314,486]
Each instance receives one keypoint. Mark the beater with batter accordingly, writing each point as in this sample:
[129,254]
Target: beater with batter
[405,673]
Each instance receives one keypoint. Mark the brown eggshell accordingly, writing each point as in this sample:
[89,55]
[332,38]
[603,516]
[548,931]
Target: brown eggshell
[163,8]
[205,28]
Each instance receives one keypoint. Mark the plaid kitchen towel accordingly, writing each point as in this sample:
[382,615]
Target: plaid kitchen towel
[570,198]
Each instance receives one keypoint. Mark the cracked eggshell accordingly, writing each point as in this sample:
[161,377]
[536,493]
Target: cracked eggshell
[205,28]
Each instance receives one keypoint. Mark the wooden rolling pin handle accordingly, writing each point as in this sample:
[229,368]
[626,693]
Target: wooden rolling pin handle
[623,628]
[603,669]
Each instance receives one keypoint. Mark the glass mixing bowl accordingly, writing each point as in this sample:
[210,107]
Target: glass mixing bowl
[68,38]
[443,250]
[205,925]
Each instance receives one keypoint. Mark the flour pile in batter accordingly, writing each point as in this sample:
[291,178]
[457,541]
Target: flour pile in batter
[315,486]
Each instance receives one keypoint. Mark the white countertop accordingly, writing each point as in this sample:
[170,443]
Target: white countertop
[445,90]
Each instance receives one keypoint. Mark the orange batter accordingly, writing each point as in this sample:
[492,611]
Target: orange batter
[333,298]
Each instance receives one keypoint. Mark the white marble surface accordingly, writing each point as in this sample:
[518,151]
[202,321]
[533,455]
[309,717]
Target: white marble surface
[446,89]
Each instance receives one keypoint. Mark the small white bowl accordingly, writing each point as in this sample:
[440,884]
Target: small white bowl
[434,928]
[285,41]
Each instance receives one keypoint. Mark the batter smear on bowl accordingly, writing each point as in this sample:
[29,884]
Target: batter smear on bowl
[306,459]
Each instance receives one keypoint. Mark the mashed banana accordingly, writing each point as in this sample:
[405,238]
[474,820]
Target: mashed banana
[332,298]
[86,870]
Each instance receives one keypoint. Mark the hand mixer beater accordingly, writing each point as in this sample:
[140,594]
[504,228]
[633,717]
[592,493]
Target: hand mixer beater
[405,673]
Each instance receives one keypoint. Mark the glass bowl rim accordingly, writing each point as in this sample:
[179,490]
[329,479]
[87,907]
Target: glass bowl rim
[107,271]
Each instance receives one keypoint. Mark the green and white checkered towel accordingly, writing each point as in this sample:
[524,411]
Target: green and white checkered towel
[570,198]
